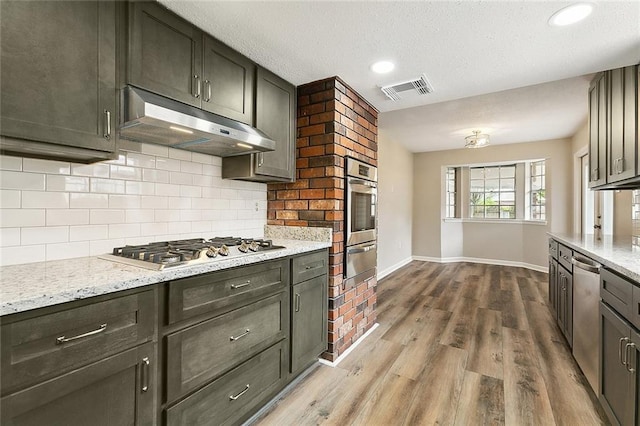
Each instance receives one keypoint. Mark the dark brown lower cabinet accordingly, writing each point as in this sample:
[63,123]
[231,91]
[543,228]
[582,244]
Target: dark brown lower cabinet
[236,395]
[565,303]
[553,285]
[620,362]
[116,391]
[308,322]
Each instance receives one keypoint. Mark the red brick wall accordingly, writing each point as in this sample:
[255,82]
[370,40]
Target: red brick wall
[333,122]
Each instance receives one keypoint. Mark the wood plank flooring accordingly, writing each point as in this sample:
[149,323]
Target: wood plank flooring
[458,344]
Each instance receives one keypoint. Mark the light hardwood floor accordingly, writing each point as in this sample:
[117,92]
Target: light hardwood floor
[458,344]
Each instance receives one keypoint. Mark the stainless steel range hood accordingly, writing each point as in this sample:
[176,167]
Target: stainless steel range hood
[147,117]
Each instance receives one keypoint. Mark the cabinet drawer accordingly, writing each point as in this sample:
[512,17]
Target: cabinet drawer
[564,257]
[38,348]
[199,353]
[234,396]
[553,249]
[617,292]
[194,296]
[309,266]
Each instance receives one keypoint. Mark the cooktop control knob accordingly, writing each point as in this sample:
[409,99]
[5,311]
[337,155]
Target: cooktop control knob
[212,251]
[223,251]
[254,246]
[243,247]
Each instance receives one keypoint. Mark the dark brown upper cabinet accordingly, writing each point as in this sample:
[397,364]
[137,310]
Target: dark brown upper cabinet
[58,85]
[171,57]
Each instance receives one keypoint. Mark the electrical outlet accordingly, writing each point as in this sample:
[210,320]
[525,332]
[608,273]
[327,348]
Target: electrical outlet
[256,206]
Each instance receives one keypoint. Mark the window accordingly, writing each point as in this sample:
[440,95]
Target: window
[537,191]
[492,192]
[450,184]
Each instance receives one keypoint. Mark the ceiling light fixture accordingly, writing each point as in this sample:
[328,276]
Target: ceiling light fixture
[477,140]
[382,67]
[571,14]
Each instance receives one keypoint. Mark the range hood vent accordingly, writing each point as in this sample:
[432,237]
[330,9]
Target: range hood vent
[419,85]
[151,118]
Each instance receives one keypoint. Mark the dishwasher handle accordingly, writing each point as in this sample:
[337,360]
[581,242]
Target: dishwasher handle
[591,267]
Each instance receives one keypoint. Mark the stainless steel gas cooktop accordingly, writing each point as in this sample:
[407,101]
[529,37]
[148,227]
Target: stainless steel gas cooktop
[171,254]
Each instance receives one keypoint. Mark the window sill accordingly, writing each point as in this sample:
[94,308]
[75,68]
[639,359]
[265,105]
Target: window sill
[494,221]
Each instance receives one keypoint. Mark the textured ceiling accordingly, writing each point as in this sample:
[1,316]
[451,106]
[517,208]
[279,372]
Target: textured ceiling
[465,48]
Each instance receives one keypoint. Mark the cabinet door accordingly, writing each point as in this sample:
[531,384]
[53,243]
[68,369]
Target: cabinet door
[275,116]
[568,321]
[227,82]
[622,132]
[115,391]
[309,322]
[562,299]
[553,284]
[165,53]
[59,74]
[597,131]
[614,381]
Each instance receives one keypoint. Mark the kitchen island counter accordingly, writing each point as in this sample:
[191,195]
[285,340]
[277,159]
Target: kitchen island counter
[37,285]
[615,253]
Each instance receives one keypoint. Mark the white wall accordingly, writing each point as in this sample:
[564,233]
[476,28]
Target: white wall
[523,243]
[54,210]
[395,192]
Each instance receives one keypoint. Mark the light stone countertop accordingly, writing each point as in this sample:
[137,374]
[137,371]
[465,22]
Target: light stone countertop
[616,253]
[36,285]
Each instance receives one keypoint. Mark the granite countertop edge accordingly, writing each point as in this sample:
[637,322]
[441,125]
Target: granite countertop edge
[38,285]
[617,256]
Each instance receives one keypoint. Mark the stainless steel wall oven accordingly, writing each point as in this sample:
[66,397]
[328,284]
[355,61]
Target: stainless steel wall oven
[360,211]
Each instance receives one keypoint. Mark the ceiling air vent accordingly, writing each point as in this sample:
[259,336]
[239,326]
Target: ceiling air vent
[420,85]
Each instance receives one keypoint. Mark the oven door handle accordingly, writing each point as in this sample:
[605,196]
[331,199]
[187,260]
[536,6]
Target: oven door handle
[361,249]
[362,182]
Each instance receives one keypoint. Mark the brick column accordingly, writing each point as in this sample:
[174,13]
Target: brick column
[333,122]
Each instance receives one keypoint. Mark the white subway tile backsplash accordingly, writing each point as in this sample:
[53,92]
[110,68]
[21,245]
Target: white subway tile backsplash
[10,163]
[56,217]
[44,234]
[10,198]
[67,250]
[18,218]
[124,201]
[88,201]
[100,217]
[139,216]
[52,209]
[9,237]
[179,154]
[127,230]
[125,172]
[108,186]
[45,200]
[88,232]
[22,254]
[46,166]
[93,170]
[140,188]
[154,175]
[141,160]
[22,180]
[68,183]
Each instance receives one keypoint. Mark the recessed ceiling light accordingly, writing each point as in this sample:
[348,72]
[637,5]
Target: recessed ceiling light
[382,67]
[571,14]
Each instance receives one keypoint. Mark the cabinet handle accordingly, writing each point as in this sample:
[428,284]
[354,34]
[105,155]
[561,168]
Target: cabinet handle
[240,336]
[623,340]
[234,397]
[628,346]
[595,174]
[145,374]
[260,159]
[297,302]
[107,124]
[196,80]
[62,339]
[244,284]
[619,165]
[207,84]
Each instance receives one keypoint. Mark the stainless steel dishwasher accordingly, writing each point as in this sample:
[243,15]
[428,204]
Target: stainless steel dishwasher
[586,317]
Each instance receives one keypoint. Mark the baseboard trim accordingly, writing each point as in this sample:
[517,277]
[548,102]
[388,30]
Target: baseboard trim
[350,349]
[483,261]
[393,268]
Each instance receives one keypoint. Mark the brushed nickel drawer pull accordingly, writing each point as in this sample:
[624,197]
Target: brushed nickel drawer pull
[107,130]
[145,374]
[308,267]
[233,398]
[297,302]
[628,363]
[197,86]
[207,84]
[62,339]
[240,336]
[623,340]
[235,286]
